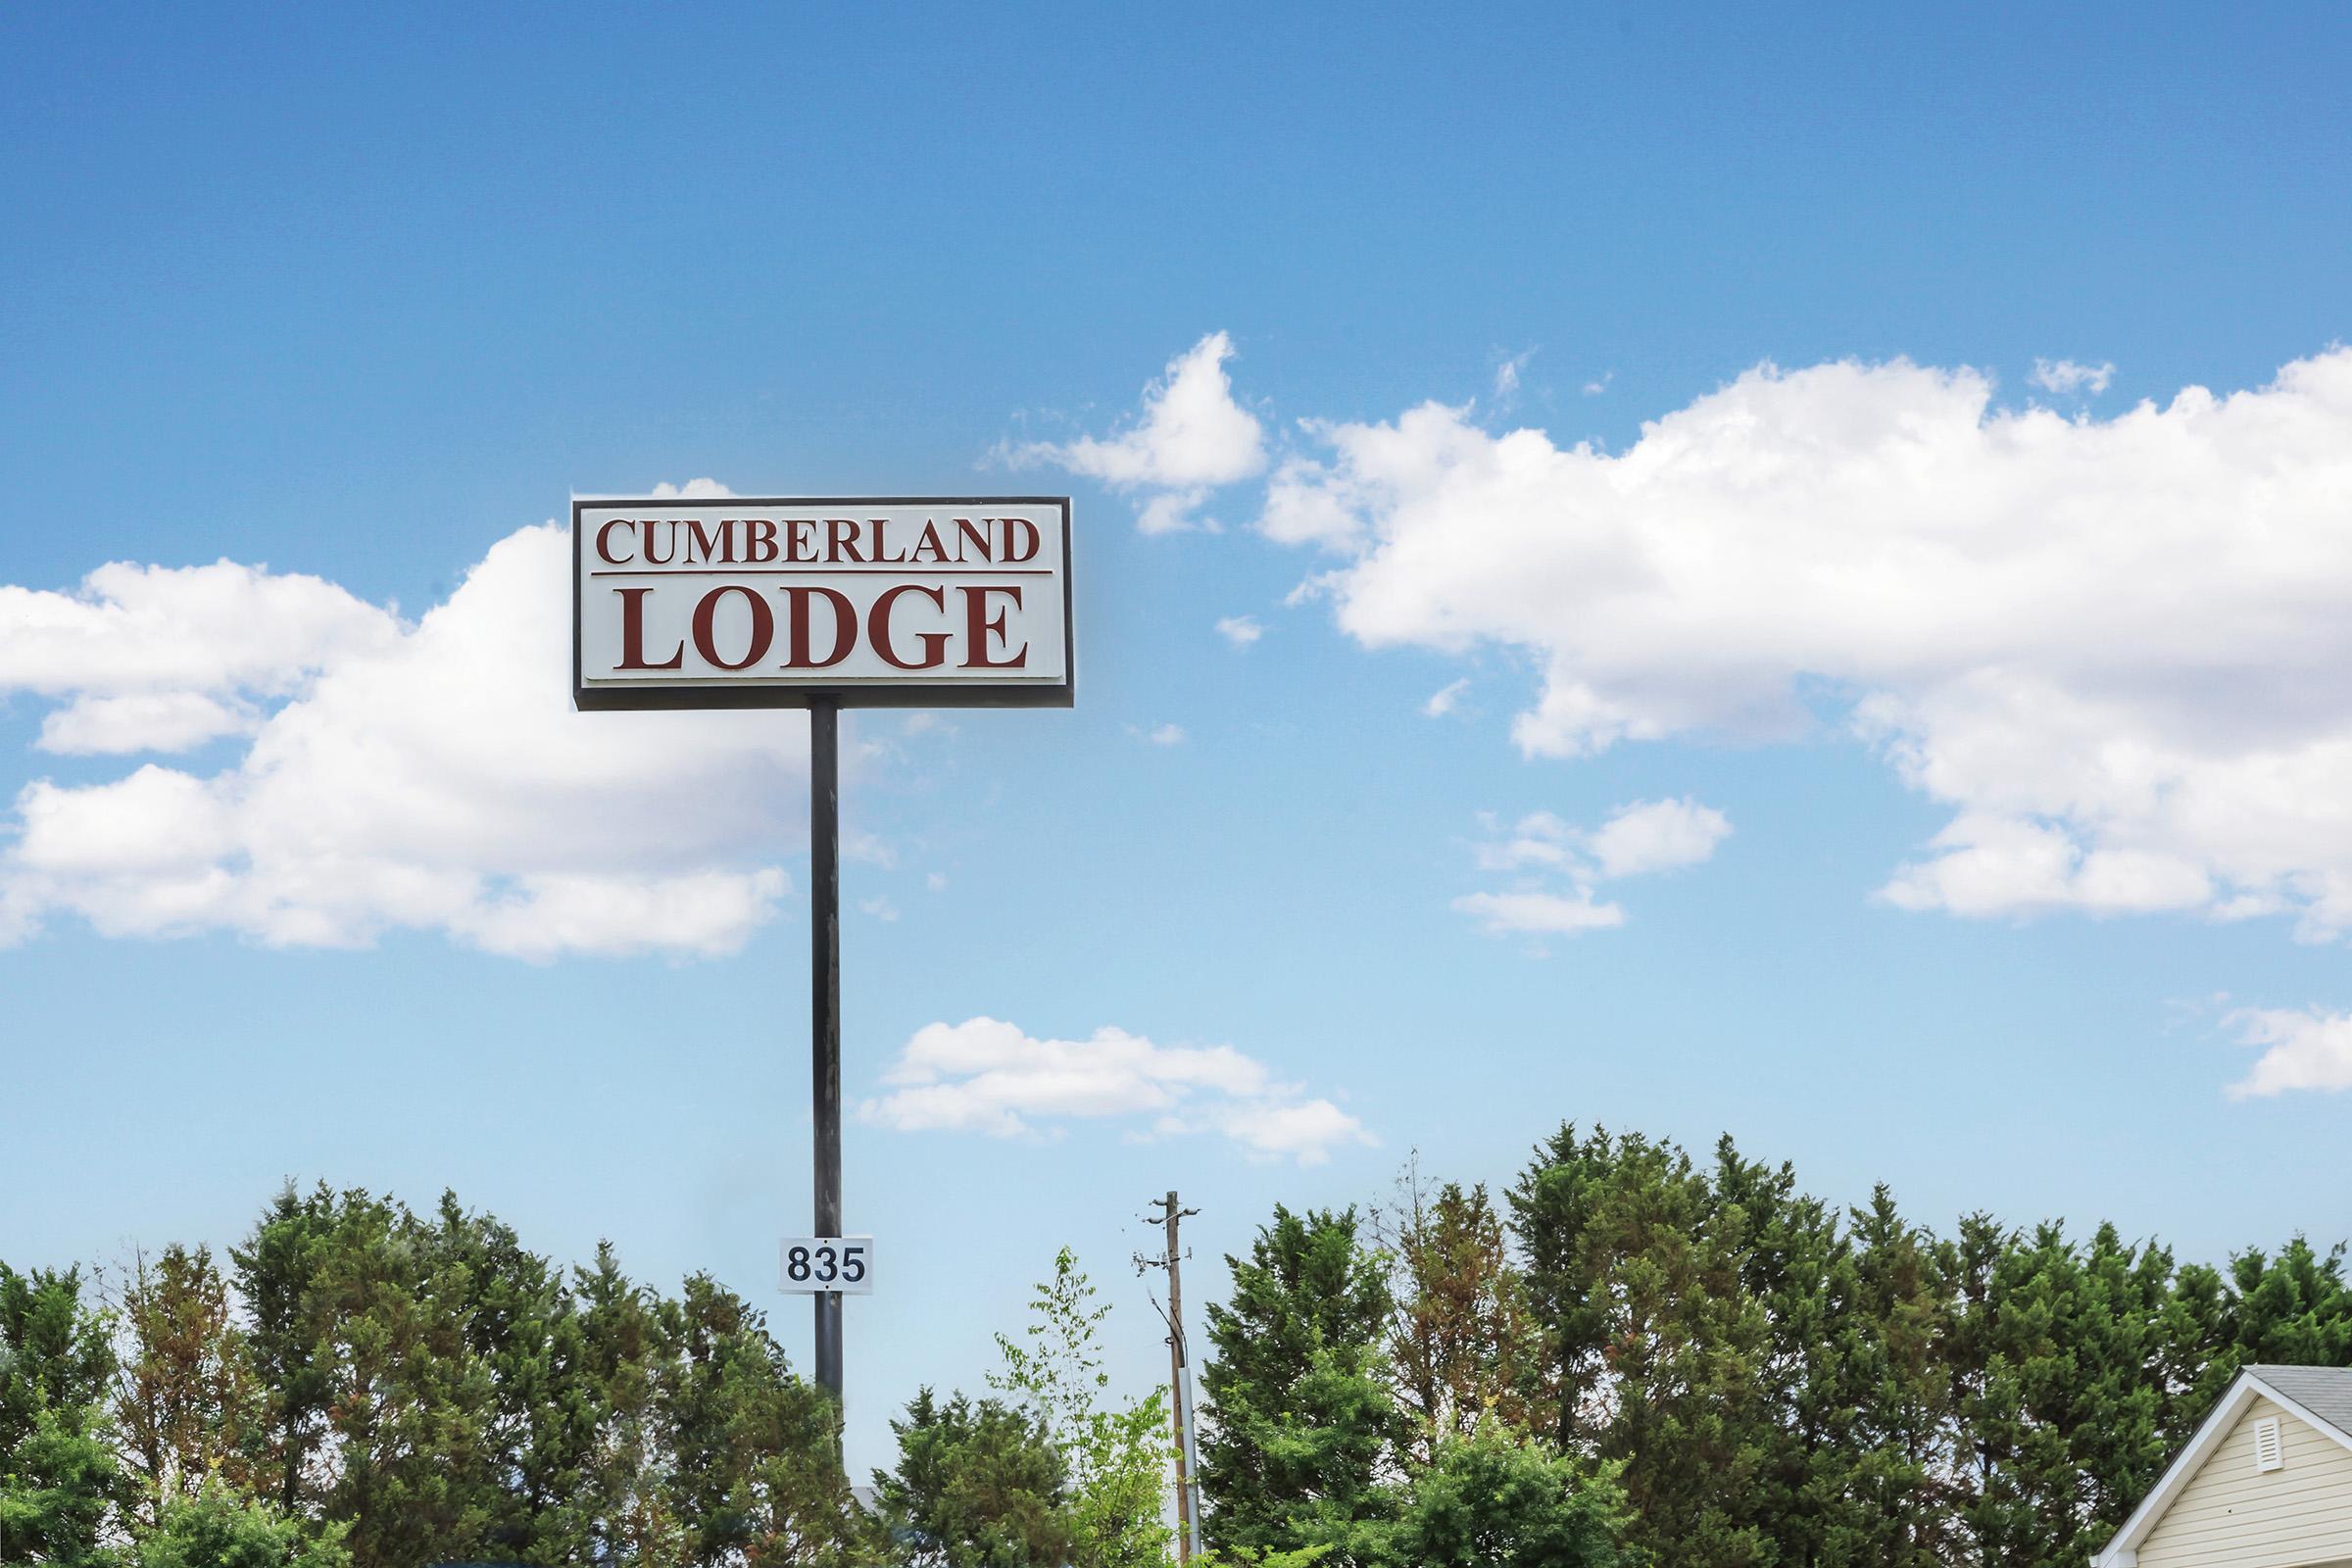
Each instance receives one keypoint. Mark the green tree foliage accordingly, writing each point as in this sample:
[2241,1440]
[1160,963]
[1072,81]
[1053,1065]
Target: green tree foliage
[215,1527]
[1119,1454]
[1303,1432]
[1497,1498]
[978,1485]
[752,1469]
[59,1480]
[1647,1359]
[444,1393]
[1771,1380]
[1656,1348]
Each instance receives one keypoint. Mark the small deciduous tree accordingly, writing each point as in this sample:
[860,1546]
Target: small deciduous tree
[1117,1453]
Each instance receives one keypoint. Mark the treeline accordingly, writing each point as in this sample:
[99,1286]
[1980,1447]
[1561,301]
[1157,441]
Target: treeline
[1628,1358]
[358,1386]
[1765,1381]
[361,1385]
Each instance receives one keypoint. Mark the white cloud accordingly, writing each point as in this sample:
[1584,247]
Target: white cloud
[144,721]
[395,776]
[1657,836]
[880,907]
[1508,375]
[2306,1050]
[987,1076]
[691,490]
[1639,839]
[1537,838]
[1240,630]
[1165,735]
[1192,437]
[1540,914]
[1172,511]
[2112,647]
[1442,701]
[2065,377]
[159,633]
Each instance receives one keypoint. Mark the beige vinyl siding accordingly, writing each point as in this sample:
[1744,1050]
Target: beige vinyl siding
[2231,1516]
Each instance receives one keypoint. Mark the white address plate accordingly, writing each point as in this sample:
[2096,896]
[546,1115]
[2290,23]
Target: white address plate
[813,1264]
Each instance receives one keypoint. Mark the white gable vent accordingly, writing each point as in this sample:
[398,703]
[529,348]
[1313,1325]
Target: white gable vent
[2269,1450]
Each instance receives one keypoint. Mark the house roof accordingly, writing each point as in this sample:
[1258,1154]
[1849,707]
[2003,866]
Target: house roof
[2320,1394]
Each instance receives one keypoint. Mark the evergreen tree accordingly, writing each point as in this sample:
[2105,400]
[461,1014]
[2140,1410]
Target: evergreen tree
[2293,1309]
[1304,1428]
[285,1340]
[1887,1370]
[750,1448]
[1795,1263]
[1460,1340]
[1656,1353]
[215,1527]
[1499,1499]
[508,1302]
[185,1397]
[977,1486]
[606,1425]
[58,1480]
[411,1403]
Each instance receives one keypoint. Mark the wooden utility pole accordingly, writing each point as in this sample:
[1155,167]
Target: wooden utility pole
[1180,1380]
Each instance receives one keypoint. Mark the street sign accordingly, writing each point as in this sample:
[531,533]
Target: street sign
[814,1264]
[762,601]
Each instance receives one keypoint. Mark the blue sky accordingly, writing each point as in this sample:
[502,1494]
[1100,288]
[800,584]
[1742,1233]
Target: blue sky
[357,300]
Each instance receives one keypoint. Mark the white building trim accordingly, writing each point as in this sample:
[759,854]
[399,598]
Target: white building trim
[2123,1549]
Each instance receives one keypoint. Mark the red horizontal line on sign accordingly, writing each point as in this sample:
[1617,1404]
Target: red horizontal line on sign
[834,572]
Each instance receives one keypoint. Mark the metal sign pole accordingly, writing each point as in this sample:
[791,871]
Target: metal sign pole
[824,1004]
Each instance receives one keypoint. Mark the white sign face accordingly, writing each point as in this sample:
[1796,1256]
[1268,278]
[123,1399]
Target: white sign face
[814,1264]
[760,602]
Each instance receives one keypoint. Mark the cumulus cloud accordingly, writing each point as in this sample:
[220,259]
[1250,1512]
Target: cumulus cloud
[1557,864]
[1164,734]
[2065,377]
[2111,647]
[144,721]
[2300,1049]
[149,656]
[1190,437]
[1240,630]
[987,1076]
[1657,836]
[389,774]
